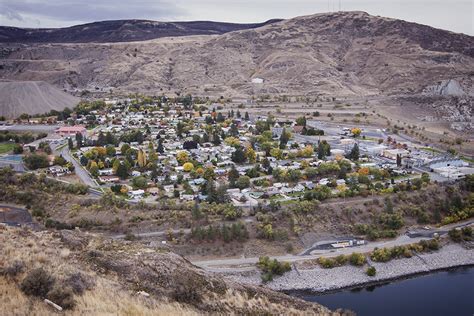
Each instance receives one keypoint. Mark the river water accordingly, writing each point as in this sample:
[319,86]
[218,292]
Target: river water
[449,293]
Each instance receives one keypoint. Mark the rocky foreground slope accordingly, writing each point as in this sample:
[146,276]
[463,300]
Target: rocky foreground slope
[94,276]
[342,53]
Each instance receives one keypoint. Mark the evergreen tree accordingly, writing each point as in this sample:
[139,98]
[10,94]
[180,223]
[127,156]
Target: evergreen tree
[211,192]
[354,154]
[321,152]
[234,131]
[220,118]
[205,138]
[238,156]
[110,139]
[216,140]
[101,139]
[233,175]
[247,117]
[284,138]
[70,144]
[160,147]
[79,140]
[122,171]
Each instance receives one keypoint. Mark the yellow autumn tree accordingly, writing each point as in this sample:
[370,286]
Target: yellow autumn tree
[250,154]
[356,131]
[182,157]
[188,166]
[141,158]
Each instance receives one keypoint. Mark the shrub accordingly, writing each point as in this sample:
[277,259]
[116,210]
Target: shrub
[327,263]
[187,290]
[455,235]
[79,283]
[341,260]
[271,267]
[432,244]
[371,271]
[63,296]
[14,269]
[458,235]
[38,282]
[357,259]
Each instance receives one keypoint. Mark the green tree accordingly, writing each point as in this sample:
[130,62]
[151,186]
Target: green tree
[354,154]
[110,149]
[301,121]
[238,156]
[139,182]
[122,171]
[284,138]
[79,140]
[70,144]
[243,182]
[233,175]
[35,161]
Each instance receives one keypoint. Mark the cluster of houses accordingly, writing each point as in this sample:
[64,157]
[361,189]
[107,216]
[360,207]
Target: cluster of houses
[164,138]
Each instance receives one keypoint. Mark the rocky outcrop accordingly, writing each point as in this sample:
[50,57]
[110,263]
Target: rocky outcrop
[449,87]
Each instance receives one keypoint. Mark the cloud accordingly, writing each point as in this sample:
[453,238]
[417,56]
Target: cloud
[455,15]
[87,11]
[10,14]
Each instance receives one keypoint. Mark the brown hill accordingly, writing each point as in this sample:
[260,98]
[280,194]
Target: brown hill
[344,53]
[32,97]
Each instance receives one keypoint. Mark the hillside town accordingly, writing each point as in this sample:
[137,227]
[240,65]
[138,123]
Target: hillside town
[189,149]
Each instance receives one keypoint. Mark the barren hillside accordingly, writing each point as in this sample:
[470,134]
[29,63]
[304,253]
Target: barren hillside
[32,97]
[333,54]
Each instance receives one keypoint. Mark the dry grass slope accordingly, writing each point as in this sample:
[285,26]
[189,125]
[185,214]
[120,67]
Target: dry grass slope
[118,270]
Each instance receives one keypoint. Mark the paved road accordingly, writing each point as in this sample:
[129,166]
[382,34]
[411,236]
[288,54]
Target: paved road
[78,168]
[29,128]
[242,264]
[14,216]
[155,234]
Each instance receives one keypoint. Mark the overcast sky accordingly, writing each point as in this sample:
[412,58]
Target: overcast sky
[453,15]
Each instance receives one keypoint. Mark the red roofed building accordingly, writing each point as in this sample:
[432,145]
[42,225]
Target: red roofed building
[71,130]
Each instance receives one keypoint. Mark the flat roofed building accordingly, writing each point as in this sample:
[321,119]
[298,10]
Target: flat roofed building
[65,131]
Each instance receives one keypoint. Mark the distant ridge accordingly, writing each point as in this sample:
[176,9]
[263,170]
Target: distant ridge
[120,31]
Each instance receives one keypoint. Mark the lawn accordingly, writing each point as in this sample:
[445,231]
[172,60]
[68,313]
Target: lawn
[6,147]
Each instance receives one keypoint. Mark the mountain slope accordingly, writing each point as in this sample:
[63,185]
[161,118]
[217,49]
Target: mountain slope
[342,54]
[119,31]
[32,97]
